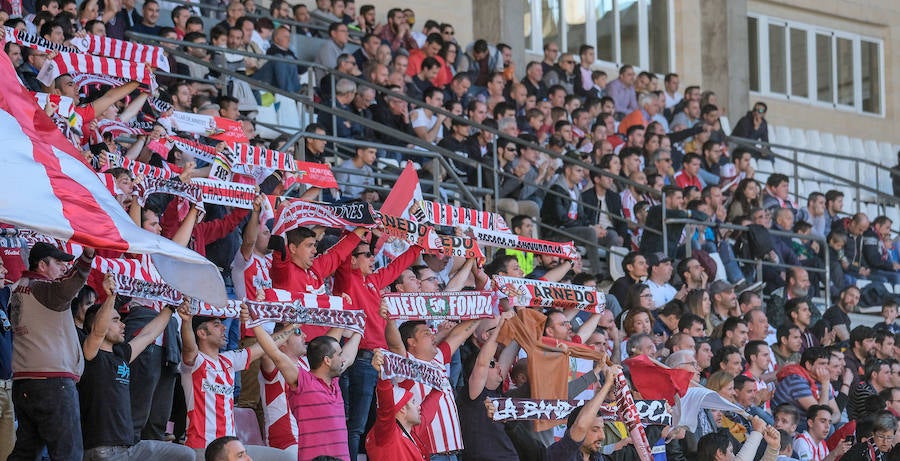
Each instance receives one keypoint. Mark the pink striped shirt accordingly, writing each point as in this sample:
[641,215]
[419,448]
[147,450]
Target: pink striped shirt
[319,409]
[209,395]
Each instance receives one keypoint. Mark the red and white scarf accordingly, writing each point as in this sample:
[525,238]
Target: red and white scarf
[448,215]
[67,63]
[121,49]
[260,156]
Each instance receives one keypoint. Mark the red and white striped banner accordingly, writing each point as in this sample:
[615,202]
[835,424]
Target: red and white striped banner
[135,280]
[443,214]
[138,168]
[110,182]
[43,171]
[260,156]
[628,414]
[96,79]
[195,149]
[121,49]
[67,63]
[231,194]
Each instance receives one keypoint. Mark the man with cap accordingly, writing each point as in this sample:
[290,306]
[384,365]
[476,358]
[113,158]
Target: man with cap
[207,377]
[724,302]
[47,358]
[658,279]
[399,411]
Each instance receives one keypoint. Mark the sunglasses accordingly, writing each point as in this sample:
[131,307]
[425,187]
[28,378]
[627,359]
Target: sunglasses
[761,110]
[297,331]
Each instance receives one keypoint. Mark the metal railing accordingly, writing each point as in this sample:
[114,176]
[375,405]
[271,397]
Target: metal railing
[759,262]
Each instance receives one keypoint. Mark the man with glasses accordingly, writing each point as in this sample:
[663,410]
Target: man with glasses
[551,54]
[562,74]
[357,279]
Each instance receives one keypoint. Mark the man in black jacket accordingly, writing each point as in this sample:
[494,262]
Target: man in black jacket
[563,210]
[652,242]
[603,207]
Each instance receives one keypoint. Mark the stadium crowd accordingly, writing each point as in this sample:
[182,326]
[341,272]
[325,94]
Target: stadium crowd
[86,373]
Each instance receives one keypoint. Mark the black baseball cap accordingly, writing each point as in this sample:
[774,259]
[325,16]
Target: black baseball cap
[42,250]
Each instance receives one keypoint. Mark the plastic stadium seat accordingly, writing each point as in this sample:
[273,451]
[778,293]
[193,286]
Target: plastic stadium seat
[887,153]
[845,168]
[828,144]
[857,148]
[247,426]
[813,140]
[765,166]
[725,124]
[288,114]
[616,255]
[843,144]
[884,180]
[783,135]
[798,138]
[872,151]
[773,137]
[267,114]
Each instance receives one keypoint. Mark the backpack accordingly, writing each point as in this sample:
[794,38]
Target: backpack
[755,243]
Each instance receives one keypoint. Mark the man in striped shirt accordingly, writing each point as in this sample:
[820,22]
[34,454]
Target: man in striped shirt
[208,380]
[415,339]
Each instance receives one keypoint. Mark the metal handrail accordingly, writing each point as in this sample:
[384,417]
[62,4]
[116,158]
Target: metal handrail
[778,233]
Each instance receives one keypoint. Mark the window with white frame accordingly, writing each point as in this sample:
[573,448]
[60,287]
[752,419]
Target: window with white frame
[637,32]
[812,64]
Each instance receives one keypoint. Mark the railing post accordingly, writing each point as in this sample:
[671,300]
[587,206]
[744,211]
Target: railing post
[333,106]
[827,276]
[496,179]
[796,177]
[665,234]
[857,187]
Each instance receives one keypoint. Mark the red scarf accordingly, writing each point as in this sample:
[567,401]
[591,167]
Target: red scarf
[796,369]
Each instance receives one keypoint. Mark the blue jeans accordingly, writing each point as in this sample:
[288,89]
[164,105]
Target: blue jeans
[444,458]
[361,391]
[48,414]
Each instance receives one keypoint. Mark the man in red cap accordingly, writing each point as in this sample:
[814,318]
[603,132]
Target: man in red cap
[399,411]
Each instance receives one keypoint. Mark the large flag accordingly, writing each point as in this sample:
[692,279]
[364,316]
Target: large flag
[655,382]
[406,191]
[45,186]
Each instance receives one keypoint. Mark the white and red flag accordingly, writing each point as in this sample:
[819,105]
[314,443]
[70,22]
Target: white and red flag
[45,186]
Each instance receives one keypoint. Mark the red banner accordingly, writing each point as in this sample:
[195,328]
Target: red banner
[234,132]
[316,175]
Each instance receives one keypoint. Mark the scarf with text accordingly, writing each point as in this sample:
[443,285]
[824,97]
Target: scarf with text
[230,311]
[463,247]
[413,369]
[135,280]
[628,414]
[459,305]
[295,213]
[296,312]
[35,42]
[231,194]
[153,185]
[411,232]
[199,151]
[137,168]
[538,293]
[118,128]
[565,250]
[514,409]
[121,49]
[448,215]
[260,156]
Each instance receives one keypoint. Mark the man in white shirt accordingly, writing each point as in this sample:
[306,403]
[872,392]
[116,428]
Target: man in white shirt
[658,280]
[673,97]
[810,445]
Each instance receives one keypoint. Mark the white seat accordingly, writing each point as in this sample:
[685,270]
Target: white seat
[884,180]
[798,138]
[765,166]
[725,124]
[872,151]
[783,134]
[616,255]
[842,144]
[773,136]
[267,114]
[868,174]
[857,148]
[828,144]
[887,154]
[813,140]
[288,114]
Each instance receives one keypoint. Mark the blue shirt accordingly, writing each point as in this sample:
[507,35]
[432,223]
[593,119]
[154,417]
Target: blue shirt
[5,336]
